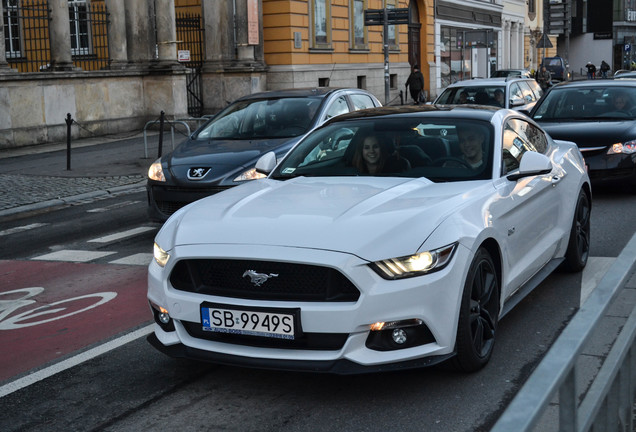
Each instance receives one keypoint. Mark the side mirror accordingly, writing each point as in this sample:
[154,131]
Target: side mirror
[266,163]
[517,101]
[532,163]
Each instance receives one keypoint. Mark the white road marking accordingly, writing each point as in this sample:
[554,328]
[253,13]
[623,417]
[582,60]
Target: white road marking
[22,228]
[112,207]
[73,361]
[592,274]
[72,256]
[121,235]
[140,259]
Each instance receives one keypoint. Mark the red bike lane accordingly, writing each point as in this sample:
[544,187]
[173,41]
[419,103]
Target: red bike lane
[49,310]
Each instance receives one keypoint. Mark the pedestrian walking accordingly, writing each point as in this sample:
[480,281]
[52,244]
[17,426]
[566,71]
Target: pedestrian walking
[604,69]
[544,78]
[591,70]
[415,84]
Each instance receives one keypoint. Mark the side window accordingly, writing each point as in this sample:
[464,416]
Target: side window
[515,91]
[536,88]
[361,101]
[528,95]
[337,107]
[520,137]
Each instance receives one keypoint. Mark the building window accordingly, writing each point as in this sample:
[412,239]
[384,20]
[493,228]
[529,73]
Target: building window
[392,40]
[358,29]
[12,39]
[321,24]
[78,16]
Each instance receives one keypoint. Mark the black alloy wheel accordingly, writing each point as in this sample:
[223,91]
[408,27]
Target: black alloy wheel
[479,314]
[579,243]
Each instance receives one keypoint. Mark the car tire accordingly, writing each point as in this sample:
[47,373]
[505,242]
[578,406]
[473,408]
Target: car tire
[478,315]
[579,243]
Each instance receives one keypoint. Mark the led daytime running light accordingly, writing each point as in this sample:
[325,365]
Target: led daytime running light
[414,265]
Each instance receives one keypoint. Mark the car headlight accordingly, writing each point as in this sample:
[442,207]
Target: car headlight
[160,255]
[628,147]
[155,172]
[414,265]
[251,174]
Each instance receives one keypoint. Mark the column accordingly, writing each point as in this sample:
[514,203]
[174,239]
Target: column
[140,40]
[218,25]
[60,32]
[505,49]
[117,44]
[521,47]
[514,44]
[166,33]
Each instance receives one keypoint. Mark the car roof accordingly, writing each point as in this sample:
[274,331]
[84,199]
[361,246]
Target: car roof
[595,83]
[480,82]
[298,92]
[474,112]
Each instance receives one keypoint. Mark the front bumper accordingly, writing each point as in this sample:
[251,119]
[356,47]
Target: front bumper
[164,199]
[434,299]
[614,167]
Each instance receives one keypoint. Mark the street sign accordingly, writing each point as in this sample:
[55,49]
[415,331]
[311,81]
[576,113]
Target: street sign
[395,16]
[628,47]
[545,42]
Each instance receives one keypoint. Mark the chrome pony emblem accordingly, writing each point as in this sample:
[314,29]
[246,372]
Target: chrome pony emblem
[258,279]
[198,173]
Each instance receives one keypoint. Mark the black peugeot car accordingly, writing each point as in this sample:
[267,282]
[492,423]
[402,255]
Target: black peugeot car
[600,117]
[222,153]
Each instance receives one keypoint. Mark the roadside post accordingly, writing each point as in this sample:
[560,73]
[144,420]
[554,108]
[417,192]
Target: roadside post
[69,122]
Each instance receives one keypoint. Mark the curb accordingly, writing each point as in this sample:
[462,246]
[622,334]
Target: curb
[70,199]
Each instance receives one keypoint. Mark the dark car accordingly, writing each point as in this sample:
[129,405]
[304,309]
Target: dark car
[222,153]
[557,68]
[514,73]
[600,117]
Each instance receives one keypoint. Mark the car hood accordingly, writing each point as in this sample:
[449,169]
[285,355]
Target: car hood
[590,133]
[223,156]
[354,215]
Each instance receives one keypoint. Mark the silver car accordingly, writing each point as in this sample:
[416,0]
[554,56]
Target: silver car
[514,93]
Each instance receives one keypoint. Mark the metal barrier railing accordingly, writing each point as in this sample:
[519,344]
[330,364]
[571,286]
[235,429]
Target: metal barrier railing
[172,123]
[607,404]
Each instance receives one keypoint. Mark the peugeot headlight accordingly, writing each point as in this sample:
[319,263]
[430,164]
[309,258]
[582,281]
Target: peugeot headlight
[628,147]
[155,172]
[414,265]
[160,255]
[250,174]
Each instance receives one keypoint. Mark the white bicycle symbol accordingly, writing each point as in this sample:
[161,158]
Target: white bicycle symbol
[7,307]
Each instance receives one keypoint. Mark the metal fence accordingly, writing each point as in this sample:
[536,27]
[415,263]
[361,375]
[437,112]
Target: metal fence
[190,36]
[607,403]
[28,42]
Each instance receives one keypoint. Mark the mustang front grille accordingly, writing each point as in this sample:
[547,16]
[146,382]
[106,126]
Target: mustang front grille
[263,280]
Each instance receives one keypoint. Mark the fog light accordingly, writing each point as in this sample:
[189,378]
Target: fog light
[399,336]
[164,318]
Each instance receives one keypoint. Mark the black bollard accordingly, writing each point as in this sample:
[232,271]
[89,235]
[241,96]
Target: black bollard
[69,122]
[162,118]
[401,97]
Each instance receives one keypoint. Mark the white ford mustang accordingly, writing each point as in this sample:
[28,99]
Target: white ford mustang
[388,238]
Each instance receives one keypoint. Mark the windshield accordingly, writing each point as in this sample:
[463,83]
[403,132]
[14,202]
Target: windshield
[404,147]
[602,103]
[486,95]
[264,118]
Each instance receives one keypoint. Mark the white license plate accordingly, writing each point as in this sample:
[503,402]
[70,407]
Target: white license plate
[267,323]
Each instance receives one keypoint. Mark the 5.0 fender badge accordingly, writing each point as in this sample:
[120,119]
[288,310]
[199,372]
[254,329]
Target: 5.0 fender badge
[258,279]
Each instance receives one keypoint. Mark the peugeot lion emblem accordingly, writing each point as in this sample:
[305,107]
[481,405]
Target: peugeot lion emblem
[258,279]
[197,173]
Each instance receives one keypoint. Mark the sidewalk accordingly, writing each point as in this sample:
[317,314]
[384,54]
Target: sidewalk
[37,177]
